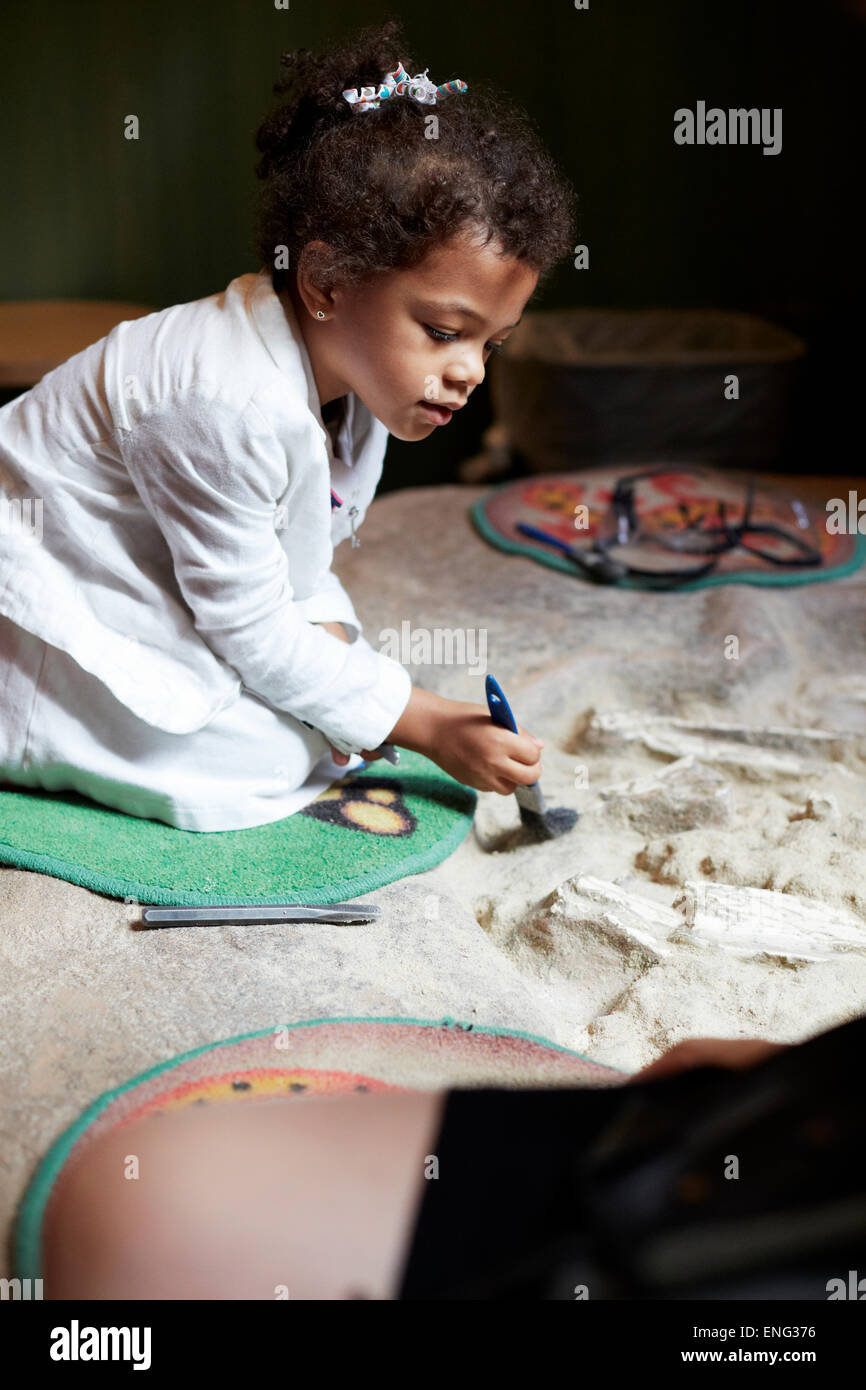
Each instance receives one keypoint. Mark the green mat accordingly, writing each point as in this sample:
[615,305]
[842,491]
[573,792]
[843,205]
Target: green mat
[378,824]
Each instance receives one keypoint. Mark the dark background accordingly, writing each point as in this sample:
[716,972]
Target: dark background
[168,218]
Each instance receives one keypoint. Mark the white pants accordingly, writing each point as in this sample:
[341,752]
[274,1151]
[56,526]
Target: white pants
[62,729]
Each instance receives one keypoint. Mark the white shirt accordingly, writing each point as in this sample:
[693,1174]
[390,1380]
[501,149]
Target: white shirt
[187,533]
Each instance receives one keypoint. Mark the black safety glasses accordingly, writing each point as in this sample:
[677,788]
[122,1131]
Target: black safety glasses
[661,554]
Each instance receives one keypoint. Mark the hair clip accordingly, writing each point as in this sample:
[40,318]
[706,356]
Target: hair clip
[399,83]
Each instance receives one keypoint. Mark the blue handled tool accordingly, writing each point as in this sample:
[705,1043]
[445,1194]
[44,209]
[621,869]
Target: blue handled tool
[594,562]
[546,824]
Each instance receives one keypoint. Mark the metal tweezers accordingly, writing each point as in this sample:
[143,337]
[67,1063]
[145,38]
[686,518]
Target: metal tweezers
[229,913]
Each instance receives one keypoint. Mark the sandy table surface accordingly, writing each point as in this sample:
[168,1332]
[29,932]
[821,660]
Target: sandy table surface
[714,883]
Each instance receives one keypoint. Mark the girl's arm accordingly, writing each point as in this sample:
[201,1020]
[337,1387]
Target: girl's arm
[430,722]
[336,628]
[416,727]
[212,473]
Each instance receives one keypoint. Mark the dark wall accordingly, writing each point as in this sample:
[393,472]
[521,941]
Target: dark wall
[167,218]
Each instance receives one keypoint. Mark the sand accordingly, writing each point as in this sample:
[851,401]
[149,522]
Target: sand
[693,773]
[714,885]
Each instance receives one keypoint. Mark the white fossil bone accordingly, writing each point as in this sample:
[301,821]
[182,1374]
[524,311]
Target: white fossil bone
[754,922]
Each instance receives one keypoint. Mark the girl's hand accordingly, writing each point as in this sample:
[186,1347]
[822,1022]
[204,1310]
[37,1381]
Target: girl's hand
[341,758]
[336,630]
[481,754]
[464,741]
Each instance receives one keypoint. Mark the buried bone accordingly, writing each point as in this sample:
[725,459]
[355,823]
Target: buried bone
[765,750]
[684,796]
[751,922]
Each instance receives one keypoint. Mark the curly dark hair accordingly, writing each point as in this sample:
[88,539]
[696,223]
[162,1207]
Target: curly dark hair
[378,191]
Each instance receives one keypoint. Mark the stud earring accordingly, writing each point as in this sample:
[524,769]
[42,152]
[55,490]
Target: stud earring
[320,313]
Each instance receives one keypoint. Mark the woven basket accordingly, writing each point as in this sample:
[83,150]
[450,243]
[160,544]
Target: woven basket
[577,387]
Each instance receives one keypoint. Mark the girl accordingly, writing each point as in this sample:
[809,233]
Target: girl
[173,641]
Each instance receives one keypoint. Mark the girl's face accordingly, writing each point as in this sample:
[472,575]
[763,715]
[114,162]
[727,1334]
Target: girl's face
[414,344]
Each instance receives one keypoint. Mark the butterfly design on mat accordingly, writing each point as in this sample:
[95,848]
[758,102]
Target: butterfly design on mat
[553,496]
[372,804]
